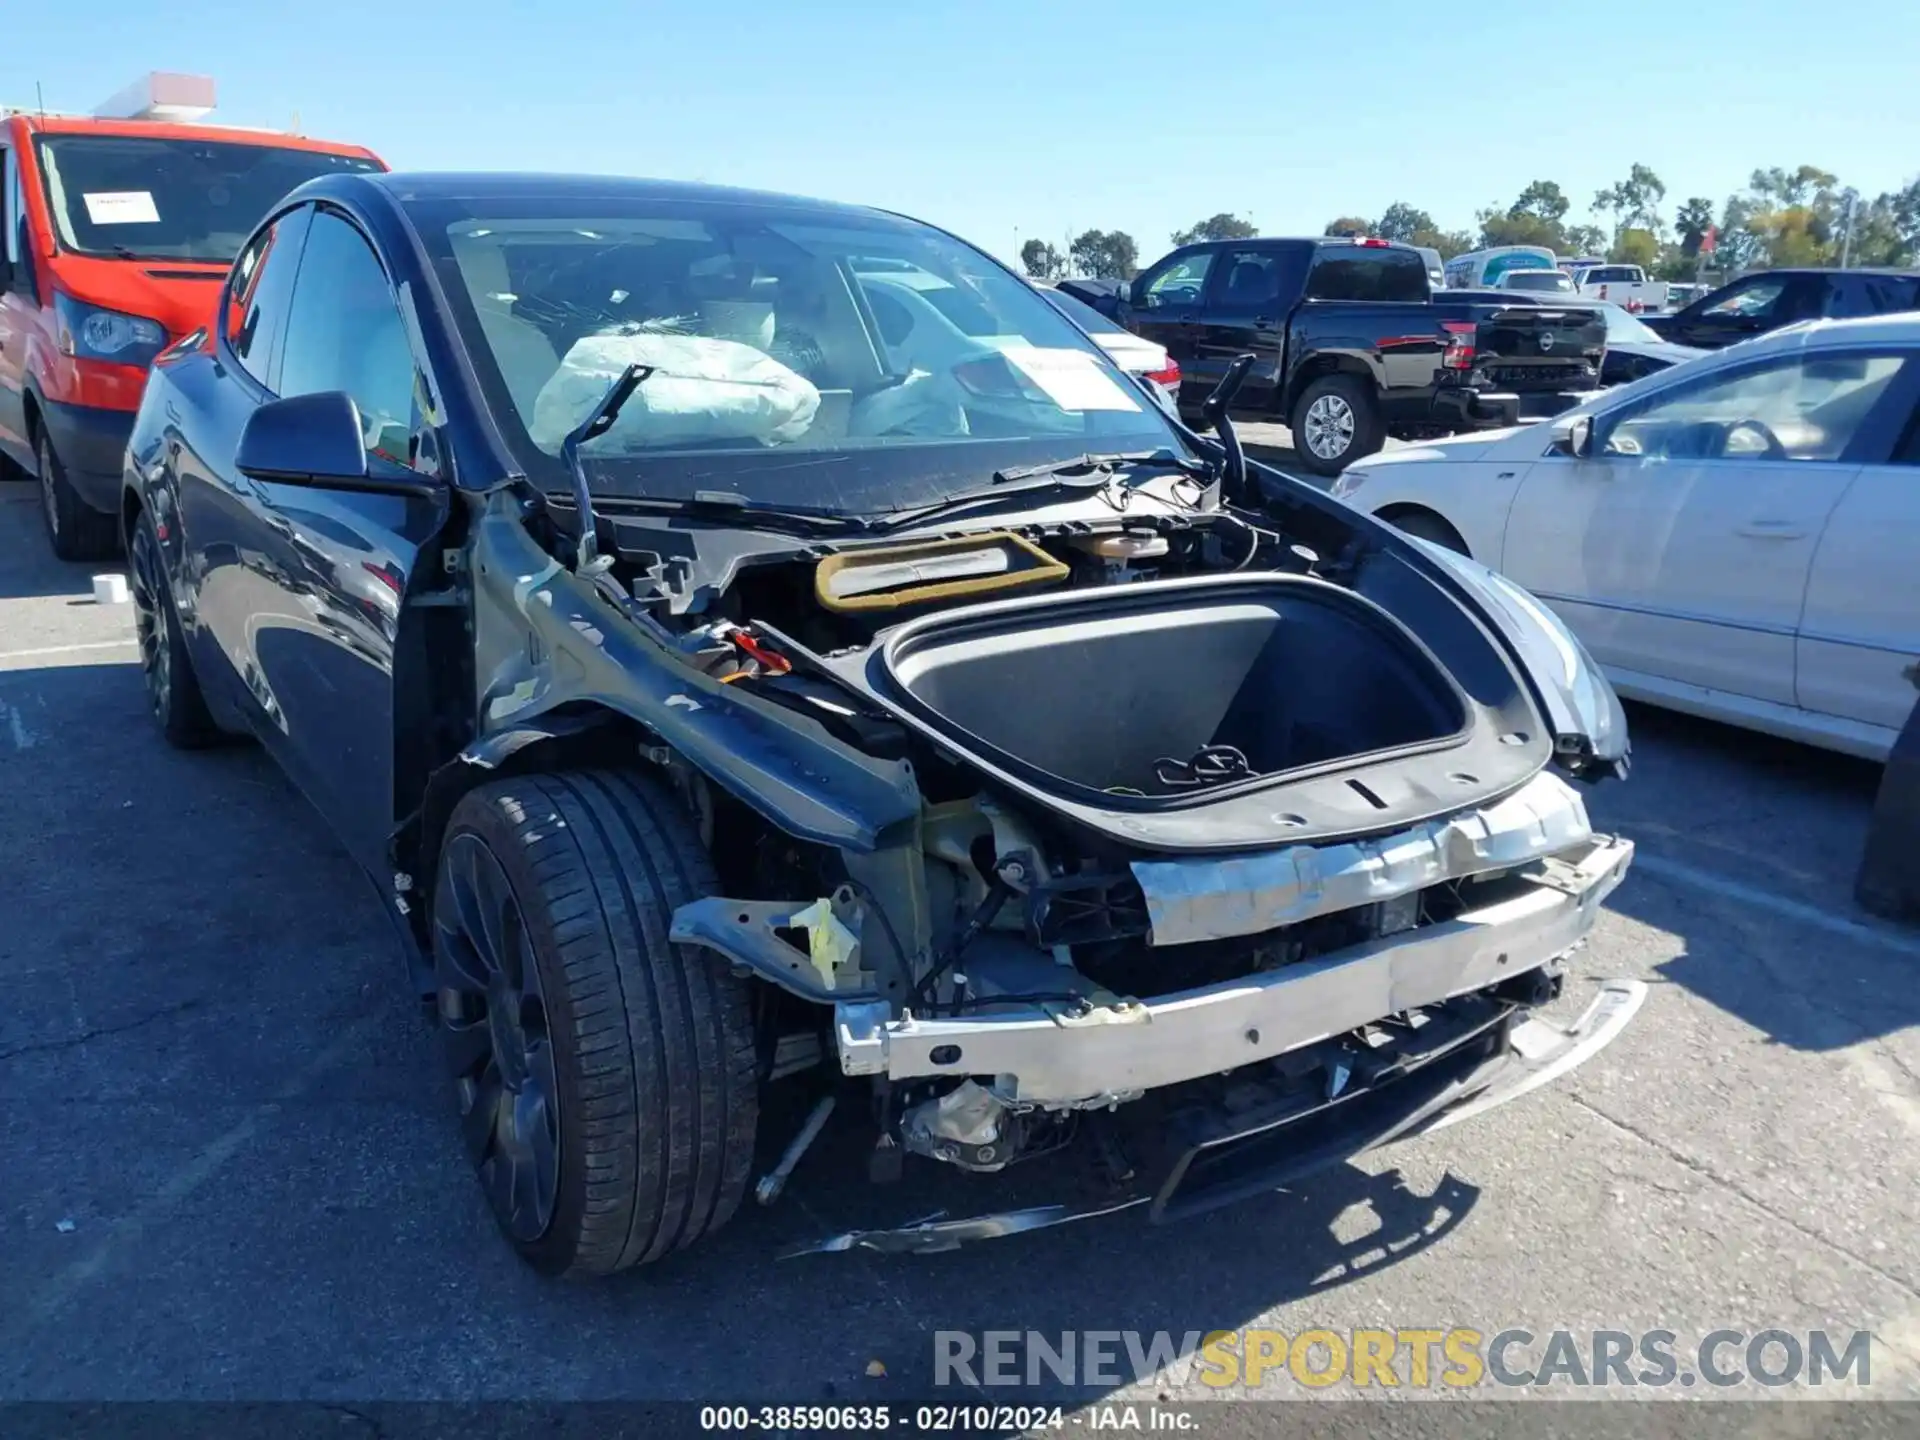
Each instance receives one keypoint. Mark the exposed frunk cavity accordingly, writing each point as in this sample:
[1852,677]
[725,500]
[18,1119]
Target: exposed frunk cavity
[1166,695]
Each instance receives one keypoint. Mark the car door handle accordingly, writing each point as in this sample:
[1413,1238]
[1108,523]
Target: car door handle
[1773,530]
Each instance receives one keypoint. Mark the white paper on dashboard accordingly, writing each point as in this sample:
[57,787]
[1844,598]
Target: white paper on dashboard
[122,207]
[1072,379]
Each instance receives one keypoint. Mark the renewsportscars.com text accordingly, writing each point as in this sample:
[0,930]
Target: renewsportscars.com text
[1454,1358]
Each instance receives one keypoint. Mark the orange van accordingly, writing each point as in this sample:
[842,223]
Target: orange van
[119,227]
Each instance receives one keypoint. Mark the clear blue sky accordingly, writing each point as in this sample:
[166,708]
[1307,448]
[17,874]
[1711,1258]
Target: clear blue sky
[1002,121]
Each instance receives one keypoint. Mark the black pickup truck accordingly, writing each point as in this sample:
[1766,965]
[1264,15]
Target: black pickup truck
[1351,346]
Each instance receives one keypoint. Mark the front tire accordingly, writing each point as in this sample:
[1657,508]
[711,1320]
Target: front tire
[74,528]
[607,1078]
[1334,422]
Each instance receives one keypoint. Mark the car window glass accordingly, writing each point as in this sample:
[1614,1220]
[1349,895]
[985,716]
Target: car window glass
[344,332]
[1756,299]
[1180,284]
[881,277]
[1884,294]
[1549,280]
[258,289]
[1367,273]
[13,223]
[1809,407]
[1251,282]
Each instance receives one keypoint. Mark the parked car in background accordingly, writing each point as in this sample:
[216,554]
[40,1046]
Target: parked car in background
[867,715]
[1768,299]
[1537,282]
[1732,537]
[1132,353]
[1681,295]
[1351,345]
[119,228]
[1479,269]
[1625,285]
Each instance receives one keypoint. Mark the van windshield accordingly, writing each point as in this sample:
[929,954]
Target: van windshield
[158,198]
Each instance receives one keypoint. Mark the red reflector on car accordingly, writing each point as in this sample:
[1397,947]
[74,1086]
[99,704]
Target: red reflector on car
[1170,376]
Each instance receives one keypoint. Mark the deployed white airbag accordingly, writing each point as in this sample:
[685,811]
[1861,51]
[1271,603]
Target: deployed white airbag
[700,390]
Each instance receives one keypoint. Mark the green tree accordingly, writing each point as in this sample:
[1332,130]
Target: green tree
[1448,242]
[1219,227]
[1041,260]
[1787,190]
[1105,254]
[1585,240]
[1636,247]
[1692,221]
[1634,202]
[1349,225]
[1400,221]
[1877,239]
[1544,200]
[1740,244]
[1903,214]
[1535,218]
[1506,227]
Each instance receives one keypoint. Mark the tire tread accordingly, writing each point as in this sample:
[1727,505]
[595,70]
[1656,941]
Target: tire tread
[663,1080]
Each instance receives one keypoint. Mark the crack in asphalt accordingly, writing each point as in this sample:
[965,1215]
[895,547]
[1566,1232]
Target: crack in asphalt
[85,1037]
[1706,1172]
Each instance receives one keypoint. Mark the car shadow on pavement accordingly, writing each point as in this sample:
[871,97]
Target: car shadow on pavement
[28,567]
[1110,1273]
[1757,880]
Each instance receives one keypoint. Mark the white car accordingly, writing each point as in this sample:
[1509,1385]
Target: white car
[1732,537]
[1134,354]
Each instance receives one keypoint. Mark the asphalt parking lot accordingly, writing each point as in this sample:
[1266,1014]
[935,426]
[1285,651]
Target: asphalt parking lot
[231,1170]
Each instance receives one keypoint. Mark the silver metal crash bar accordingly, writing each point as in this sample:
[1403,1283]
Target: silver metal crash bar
[1537,1053]
[1046,1055]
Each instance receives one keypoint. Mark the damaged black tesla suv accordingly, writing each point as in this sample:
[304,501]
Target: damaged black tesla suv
[767,658]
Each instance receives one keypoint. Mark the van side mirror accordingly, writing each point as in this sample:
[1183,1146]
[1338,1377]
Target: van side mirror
[1574,437]
[318,440]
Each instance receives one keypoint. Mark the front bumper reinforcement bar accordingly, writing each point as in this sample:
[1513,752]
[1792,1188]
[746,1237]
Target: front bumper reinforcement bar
[1045,1054]
[1536,1053]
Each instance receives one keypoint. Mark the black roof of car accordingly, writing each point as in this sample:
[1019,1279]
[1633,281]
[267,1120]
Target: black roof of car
[475,185]
[1905,271]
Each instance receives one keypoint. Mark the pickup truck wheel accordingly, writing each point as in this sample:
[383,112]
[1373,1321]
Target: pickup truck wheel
[1335,422]
[607,1078]
[76,530]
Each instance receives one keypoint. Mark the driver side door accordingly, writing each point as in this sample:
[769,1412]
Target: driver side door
[326,640]
[1744,309]
[1165,308]
[1680,547]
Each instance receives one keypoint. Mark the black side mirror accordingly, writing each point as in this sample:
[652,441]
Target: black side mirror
[318,440]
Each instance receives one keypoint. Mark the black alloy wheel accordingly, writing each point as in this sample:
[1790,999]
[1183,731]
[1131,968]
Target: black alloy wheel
[498,1044]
